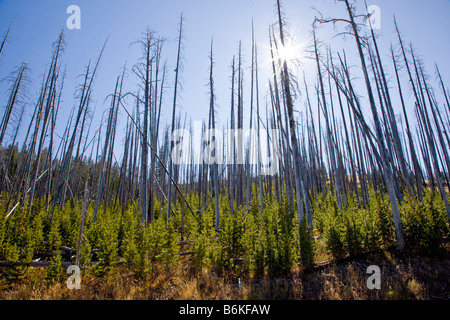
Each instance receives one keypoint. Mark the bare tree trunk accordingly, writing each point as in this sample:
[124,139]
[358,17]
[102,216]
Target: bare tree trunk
[177,69]
[82,221]
[299,183]
[215,174]
[258,119]
[2,46]
[412,150]
[231,146]
[329,133]
[12,100]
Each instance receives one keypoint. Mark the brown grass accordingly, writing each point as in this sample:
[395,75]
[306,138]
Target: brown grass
[403,277]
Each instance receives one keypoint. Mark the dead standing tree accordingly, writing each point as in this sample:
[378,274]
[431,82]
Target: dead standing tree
[49,105]
[13,97]
[386,167]
[331,143]
[5,38]
[298,165]
[13,113]
[83,105]
[212,132]
[424,122]
[178,68]
[151,49]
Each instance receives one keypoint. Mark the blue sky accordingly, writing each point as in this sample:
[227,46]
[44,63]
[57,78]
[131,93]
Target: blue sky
[38,23]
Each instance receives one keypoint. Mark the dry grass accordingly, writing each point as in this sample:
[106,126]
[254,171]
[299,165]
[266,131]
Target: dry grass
[403,277]
[177,284]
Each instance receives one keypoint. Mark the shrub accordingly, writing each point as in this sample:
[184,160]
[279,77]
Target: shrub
[353,233]
[334,239]
[307,245]
[425,224]
[55,270]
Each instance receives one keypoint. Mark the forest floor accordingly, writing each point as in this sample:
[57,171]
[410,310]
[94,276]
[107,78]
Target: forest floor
[404,276]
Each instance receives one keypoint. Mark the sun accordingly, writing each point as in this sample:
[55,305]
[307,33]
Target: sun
[288,52]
